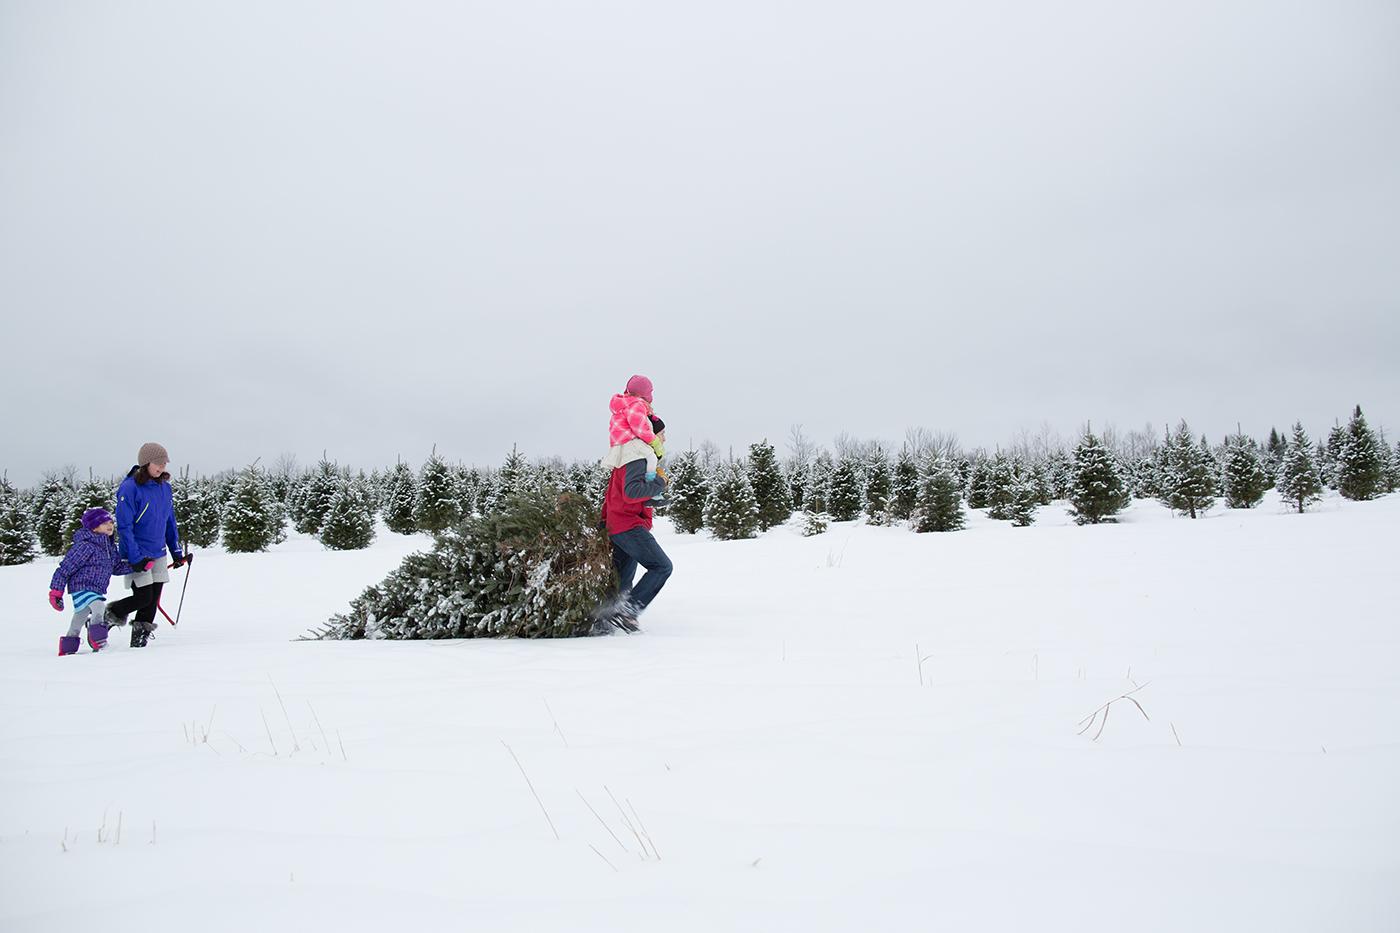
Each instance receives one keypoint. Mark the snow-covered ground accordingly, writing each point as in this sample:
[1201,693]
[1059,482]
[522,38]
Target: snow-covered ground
[778,761]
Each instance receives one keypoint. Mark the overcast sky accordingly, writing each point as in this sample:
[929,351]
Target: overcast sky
[249,229]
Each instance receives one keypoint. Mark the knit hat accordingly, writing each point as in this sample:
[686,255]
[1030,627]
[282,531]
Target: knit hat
[94,517]
[152,453]
[657,425]
[639,386]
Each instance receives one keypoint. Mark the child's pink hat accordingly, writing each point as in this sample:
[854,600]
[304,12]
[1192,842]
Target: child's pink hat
[639,386]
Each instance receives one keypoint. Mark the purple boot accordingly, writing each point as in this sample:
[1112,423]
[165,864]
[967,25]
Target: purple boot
[67,644]
[97,636]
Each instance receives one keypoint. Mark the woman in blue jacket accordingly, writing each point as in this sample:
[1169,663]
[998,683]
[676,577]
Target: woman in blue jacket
[145,528]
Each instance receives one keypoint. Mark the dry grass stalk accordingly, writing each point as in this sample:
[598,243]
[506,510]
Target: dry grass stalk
[1087,722]
[530,784]
[556,724]
[628,823]
[324,741]
[600,819]
[269,732]
[296,746]
[602,856]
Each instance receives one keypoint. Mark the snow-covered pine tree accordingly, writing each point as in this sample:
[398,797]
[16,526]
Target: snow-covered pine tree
[17,543]
[1040,480]
[187,495]
[1274,450]
[770,487]
[1299,482]
[398,504]
[1059,471]
[1388,477]
[488,492]
[979,484]
[202,517]
[879,485]
[813,523]
[53,505]
[371,486]
[436,507]
[1098,491]
[182,494]
[1201,483]
[94,494]
[962,468]
[939,504]
[581,478]
[536,567]
[349,524]
[1332,455]
[732,511]
[514,474]
[312,501]
[1025,497]
[466,481]
[1189,479]
[904,496]
[687,491]
[1002,478]
[1395,468]
[251,515]
[843,493]
[1245,480]
[797,464]
[297,507]
[1360,466]
[1142,478]
[797,483]
[818,483]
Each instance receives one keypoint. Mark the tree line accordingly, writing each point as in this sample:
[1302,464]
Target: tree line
[927,486]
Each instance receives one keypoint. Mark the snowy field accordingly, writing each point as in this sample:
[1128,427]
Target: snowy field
[762,757]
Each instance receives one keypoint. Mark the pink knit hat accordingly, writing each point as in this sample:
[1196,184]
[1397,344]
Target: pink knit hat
[639,386]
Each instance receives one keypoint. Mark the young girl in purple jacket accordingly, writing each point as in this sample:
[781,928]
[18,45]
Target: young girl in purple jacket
[86,571]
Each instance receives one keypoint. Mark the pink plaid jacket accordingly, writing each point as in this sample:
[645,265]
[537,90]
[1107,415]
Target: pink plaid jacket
[630,418]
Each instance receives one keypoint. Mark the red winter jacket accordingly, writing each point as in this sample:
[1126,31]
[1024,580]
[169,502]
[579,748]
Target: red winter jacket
[625,503]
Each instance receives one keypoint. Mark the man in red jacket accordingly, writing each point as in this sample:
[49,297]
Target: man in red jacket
[627,513]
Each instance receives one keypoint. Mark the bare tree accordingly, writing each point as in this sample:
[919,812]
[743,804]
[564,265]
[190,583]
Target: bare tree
[1142,443]
[801,450]
[708,454]
[1038,444]
[284,467]
[846,444]
[919,440]
[923,442]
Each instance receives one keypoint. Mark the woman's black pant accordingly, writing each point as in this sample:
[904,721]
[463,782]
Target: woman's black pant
[143,601]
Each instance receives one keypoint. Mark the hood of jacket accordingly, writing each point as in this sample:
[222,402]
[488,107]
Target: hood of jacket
[623,454]
[83,536]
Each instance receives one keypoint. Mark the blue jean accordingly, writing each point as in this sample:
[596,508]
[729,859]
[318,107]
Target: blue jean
[634,547]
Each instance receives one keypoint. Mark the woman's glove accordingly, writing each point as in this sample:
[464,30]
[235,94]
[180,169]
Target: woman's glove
[142,565]
[659,447]
[181,560]
[56,599]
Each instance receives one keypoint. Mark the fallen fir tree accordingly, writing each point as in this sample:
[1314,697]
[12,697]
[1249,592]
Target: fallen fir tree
[538,567]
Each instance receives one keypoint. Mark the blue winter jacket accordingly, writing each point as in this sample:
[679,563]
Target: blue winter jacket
[146,519]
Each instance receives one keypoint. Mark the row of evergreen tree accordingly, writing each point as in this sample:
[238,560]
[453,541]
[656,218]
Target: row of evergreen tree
[928,489]
[250,510]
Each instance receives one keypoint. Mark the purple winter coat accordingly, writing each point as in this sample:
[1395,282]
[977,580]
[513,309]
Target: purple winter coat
[89,564]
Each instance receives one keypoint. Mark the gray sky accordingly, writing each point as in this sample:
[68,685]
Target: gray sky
[261,227]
